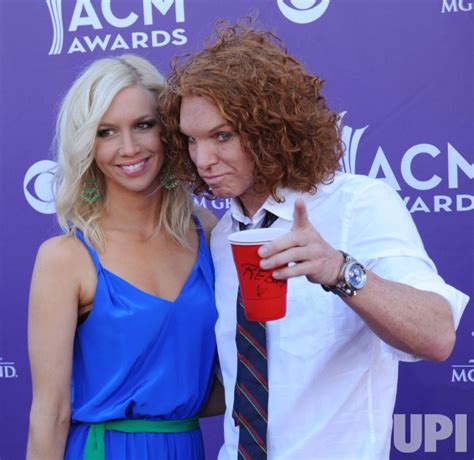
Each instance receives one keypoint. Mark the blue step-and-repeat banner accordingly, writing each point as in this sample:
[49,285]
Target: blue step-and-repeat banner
[401,72]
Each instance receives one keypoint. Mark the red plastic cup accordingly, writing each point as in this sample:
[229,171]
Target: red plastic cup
[263,297]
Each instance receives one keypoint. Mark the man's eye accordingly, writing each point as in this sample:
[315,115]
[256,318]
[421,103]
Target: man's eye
[225,136]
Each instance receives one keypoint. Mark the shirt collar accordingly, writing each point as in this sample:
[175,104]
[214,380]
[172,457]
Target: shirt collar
[283,210]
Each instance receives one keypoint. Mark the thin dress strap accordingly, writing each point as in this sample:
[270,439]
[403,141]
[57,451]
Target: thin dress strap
[90,249]
[204,254]
[199,227]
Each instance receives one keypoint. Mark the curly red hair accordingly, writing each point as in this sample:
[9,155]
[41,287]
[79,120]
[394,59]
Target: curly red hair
[274,106]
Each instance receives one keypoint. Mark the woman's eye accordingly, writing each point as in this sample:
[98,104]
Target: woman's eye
[104,132]
[223,137]
[191,140]
[146,124]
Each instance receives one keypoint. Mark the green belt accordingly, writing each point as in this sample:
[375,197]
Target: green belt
[95,447]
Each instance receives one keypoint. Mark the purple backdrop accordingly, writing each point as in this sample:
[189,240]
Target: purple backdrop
[400,71]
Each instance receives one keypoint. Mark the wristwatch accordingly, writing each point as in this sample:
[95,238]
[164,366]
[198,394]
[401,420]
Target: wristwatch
[351,279]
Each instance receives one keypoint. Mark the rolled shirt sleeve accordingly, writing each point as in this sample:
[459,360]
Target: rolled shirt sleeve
[383,236]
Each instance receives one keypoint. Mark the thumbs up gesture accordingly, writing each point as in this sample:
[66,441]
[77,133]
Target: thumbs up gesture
[305,249]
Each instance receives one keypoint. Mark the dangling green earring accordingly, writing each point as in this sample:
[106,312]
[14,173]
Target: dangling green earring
[170,182]
[90,192]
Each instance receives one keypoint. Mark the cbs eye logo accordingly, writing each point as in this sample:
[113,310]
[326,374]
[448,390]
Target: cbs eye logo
[38,186]
[303,11]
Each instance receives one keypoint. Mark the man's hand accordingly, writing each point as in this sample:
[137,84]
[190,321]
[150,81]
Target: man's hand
[409,319]
[305,249]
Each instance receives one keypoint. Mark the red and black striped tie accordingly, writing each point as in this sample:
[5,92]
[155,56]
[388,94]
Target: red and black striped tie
[251,387]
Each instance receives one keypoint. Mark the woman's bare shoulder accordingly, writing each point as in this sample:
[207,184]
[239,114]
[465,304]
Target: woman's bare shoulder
[62,252]
[61,248]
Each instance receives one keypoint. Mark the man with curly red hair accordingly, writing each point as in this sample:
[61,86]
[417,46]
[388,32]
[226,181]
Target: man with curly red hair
[246,122]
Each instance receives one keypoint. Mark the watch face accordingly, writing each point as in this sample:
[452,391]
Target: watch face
[355,276]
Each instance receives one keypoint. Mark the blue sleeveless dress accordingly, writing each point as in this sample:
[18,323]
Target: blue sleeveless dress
[138,356]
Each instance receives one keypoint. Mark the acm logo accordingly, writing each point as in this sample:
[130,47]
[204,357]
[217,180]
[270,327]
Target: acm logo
[408,174]
[77,30]
[303,11]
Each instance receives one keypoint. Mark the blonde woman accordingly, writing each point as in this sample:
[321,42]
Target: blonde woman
[122,313]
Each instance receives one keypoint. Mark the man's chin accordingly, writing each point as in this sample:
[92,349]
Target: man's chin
[219,193]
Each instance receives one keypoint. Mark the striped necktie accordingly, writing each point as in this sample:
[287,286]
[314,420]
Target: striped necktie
[251,387]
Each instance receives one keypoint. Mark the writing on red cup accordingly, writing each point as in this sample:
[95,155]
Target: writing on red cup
[263,297]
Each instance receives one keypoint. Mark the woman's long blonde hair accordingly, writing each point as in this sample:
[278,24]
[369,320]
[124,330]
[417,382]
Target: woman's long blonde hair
[76,129]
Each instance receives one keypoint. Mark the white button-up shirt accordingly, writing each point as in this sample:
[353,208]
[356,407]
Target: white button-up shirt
[332,381]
